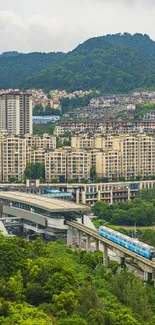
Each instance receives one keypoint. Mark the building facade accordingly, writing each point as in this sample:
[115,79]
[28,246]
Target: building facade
[16,113]
[13,158]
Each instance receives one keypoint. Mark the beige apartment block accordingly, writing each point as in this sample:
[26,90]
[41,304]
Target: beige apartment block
[13,158]
[82,142]
[55,164]
[96,142]
[45,141]
[146,155]
[137,155]
[108,163]
[78,165]
[36,156]
[16,113]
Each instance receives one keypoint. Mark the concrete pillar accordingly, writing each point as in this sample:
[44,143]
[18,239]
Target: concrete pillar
[146,274]
[77,196]
[121,260]
[129,196]
[105,255]
[111,197]
[87,242]
[83,197]
[70,236]
[97,245]
[99,195]
[79,234]
[153,277]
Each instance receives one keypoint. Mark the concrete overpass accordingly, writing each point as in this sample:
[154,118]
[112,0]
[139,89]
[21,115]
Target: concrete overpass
[146,265]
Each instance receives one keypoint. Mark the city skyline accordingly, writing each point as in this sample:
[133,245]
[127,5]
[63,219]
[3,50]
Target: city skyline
[62,25]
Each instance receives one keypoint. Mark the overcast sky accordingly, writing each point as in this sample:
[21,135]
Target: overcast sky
[60,25]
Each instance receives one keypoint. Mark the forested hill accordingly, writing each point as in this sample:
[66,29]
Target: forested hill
[98,64]
[16,67]
[111,64]
[142,43]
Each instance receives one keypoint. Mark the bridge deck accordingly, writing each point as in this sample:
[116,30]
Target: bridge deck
[94,234]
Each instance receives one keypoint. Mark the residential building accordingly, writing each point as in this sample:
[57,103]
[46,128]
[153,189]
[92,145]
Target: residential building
[137,155]
[16,113]
[55,165]
[13,158]
[108,164]
[82,142]
[36,156]
[78,165]
[45,141]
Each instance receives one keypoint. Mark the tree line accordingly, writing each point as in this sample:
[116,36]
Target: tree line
[141,210]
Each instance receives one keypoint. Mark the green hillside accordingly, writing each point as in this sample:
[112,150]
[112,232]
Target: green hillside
[111,64]
[97,64]
[16,67]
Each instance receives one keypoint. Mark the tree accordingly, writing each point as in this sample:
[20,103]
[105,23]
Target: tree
[54,180]
[64,303]
[35,171]
[13,288]
[11,179]
[131,292]
[74,320]
[38,110]
[23,314]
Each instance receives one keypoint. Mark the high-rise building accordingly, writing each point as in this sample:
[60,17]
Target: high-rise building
[55,164]
[16,113]
[13,158]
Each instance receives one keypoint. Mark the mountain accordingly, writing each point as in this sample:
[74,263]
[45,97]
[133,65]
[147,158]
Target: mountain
[99,63]
[142,43]
[111,64]
[9,53]
[16,67]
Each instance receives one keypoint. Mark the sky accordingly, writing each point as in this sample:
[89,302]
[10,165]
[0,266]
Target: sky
[60,25]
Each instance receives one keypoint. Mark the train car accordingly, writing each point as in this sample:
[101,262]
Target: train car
[127,242]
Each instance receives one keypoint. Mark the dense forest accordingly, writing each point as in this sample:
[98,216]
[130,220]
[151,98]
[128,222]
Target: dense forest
[16,67]
[45,284]
[97,64]
[110,64]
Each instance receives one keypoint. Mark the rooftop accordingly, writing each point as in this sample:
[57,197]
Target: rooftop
[44,203]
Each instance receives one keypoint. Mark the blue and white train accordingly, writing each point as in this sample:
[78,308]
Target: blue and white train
[128,242]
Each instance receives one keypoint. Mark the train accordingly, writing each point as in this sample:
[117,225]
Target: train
[127,242]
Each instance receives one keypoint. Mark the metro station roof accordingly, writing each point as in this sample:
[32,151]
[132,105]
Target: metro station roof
[44,203]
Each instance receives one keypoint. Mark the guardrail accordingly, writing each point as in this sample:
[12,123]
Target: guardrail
[94,234]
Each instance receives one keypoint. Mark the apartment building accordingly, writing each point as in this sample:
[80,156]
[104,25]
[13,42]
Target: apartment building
[102,126]
[13,158]
[16,113]
[137,155]
[55,165]
[82,142]
[36,156]
[108,164]
[115,155]
[67,164]
[45,141]
[78,165]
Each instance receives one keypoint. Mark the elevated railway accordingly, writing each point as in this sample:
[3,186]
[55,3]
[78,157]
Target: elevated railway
[147,265]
